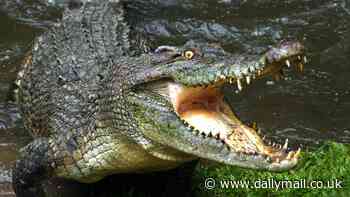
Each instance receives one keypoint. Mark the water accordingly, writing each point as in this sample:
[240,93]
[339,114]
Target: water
[307,109]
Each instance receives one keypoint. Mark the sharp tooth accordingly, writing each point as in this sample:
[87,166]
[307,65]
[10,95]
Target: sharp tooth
[248,79]
[285,146]
[231,80]
[259,130]
[259,72]
[255,126]
[20,74]
[296,155]
[305,59]
[299,57]
[277,160]
[268,159]
[250,69]
[300,67]
[290,154]
[264,137]
[288,63]
[239,85]
[18,82]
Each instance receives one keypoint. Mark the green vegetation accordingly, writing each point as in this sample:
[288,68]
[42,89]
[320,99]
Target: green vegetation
[329,163]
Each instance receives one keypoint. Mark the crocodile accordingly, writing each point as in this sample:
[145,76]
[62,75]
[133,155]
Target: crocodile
[98,101]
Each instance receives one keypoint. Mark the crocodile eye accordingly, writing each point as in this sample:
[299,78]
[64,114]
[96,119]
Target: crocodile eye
[188,54]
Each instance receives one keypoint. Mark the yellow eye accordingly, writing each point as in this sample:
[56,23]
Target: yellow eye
[188,54]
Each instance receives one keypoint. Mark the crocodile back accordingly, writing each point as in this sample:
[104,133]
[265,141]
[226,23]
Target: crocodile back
[62,74]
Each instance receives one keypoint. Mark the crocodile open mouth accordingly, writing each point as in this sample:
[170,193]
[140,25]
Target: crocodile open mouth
[204,111]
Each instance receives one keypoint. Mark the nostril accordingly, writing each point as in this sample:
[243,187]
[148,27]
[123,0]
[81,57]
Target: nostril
[74,4]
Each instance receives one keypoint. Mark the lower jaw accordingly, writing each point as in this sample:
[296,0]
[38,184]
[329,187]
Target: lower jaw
[207,114]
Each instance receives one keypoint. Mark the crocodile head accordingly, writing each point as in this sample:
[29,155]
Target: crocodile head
[178,103]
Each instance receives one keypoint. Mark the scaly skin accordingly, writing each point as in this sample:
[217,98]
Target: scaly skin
[98,104]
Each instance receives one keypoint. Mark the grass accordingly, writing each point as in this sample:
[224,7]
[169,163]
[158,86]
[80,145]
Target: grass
[326,165]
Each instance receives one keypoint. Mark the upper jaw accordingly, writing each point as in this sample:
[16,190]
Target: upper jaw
[244,68]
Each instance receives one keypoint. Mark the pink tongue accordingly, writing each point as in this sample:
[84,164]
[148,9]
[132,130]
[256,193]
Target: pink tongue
[201,108]
[184,98]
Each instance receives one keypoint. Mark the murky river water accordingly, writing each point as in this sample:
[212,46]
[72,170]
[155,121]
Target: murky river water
[307,108]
